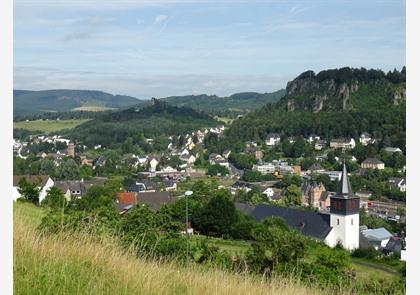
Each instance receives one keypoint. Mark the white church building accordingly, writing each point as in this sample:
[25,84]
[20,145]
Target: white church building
[341,225]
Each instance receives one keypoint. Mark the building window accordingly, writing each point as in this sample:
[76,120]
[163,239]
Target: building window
[338,221]
[352,221]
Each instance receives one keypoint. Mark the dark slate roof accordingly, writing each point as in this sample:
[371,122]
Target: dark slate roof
[394,245]
[316,225]
[155,200]
[41,179]
[135,188]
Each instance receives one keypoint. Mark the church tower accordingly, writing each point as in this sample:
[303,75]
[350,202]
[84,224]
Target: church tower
[344,215]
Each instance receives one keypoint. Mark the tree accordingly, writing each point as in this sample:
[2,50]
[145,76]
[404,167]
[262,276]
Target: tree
[215,170]
[293,195]
[29,190]
[218,215]
[69,170]
[54,199]
[47,167]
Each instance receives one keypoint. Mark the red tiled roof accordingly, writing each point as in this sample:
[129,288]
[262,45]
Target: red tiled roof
[127,198]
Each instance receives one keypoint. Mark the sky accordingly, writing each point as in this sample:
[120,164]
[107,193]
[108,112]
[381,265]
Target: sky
[146,48]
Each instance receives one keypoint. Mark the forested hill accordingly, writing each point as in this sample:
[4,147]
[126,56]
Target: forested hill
[27,102]
[133,125]
[344,89]
[238,103]
[333,103]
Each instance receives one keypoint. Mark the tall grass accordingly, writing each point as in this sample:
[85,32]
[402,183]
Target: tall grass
[68,265]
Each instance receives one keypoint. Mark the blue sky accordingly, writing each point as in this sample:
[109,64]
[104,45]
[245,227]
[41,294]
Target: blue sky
[162,48]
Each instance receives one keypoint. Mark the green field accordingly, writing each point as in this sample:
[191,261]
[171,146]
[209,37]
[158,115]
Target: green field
[93,109]
[49,126]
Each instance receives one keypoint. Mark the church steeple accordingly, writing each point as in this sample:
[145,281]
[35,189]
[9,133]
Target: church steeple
[344,202]
[345,190]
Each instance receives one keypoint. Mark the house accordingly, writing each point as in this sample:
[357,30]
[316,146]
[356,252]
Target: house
[44,184]
[397,182]
[264,168]
[155,200]
[127,198]
[226,154]
[366,138]
[269,192]
[333,175]
[170,185]
[343,143]
[313,138]
[320,145]
[189,159]
[378,237]
[372,163]
[316,167]
[272,139]
[315,195]
[153,164]
[240,185]
[146,185]
[100,162]
[71,189]
[392,150]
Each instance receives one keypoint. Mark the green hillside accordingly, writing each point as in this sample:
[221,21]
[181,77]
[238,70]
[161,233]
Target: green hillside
[235,104]
[157,121]
[36,102]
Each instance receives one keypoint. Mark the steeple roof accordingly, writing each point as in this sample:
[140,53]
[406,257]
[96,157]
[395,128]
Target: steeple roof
[345,190]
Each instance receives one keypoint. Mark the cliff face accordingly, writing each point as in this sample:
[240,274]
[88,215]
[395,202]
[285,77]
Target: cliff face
[309,94]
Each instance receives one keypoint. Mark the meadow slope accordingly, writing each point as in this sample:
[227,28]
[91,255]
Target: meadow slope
[69,265]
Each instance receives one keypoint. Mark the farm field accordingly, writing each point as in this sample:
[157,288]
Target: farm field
[93,109]
[48,126]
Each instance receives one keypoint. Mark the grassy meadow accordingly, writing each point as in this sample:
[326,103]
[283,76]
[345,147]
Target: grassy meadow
[93,109]
[69,265]
[50,125]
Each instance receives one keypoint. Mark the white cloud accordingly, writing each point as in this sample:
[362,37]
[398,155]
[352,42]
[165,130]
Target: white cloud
[160,19]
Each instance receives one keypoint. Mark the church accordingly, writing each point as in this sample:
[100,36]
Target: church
[341,225]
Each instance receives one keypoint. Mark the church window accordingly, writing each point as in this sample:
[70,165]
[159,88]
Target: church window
[352,221]
[338,221]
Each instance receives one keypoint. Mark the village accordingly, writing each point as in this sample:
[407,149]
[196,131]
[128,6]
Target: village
[162,178]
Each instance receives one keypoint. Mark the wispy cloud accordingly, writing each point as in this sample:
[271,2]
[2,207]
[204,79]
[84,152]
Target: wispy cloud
[160,19]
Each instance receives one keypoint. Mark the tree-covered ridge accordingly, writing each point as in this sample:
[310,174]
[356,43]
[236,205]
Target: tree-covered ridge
[374,103]
[35,102]
[344,89]
[156,121]
[233,104]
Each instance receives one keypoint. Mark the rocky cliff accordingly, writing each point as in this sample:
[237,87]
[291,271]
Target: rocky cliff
[328,91]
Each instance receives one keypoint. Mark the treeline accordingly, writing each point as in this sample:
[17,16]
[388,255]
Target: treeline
[347,74]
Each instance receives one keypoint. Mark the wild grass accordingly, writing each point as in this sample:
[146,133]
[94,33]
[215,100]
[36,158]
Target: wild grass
[64,264]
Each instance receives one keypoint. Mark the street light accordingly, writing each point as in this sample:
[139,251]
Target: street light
[187,193]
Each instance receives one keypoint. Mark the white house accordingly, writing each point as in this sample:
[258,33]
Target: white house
[44,181]
[344,143]
[272,139]
[264,168]
[365,139]
[392,150]
[153,163]
[397,182]
[269,192]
